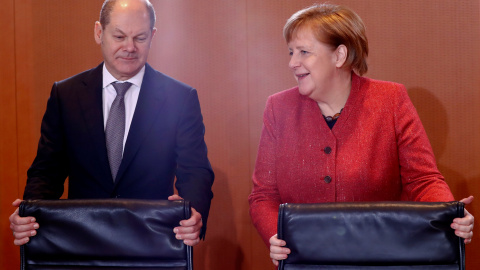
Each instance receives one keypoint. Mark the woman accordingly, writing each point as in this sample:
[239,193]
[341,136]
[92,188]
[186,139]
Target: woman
[337,136]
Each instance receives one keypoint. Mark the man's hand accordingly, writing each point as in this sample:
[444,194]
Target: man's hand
[464,226]
[189,229]
[22,227]
[277,250]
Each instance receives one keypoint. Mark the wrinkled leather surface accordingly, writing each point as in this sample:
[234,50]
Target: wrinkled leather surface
[371,235]
[106,234]
[369,267]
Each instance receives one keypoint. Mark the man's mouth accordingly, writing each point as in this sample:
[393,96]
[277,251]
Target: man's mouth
[128,58]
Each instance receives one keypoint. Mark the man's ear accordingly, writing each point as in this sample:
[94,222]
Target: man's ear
[154,30]
[98,32]
[341,54]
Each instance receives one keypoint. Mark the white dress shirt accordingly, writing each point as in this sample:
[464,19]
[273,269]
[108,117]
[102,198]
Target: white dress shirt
[131,97]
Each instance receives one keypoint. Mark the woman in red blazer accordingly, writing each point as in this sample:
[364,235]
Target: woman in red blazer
[339,137]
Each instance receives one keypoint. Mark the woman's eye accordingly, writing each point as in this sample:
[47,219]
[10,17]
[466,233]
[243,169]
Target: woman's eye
[290,53]
[303,52]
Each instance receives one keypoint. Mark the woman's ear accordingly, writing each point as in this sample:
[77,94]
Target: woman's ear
[341,54]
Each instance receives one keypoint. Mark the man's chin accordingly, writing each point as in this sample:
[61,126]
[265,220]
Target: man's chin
[128,72]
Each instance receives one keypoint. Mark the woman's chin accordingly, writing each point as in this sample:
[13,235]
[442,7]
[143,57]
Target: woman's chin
[304,91]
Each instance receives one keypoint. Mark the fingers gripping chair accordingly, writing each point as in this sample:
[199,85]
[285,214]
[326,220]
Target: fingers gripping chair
[373,236]
[106,234]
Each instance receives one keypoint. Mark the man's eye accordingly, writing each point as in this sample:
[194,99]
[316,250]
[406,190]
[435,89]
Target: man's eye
[303,52]
[118,37]
[290,53]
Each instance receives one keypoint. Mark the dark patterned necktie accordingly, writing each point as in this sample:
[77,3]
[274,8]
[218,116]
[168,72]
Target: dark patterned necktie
[115,128]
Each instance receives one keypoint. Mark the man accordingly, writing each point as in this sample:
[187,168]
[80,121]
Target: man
[162,136]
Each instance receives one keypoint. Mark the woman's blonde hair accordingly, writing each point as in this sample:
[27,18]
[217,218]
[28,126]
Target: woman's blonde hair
[334,25]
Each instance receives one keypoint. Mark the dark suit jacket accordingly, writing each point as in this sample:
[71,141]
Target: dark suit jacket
[166,140]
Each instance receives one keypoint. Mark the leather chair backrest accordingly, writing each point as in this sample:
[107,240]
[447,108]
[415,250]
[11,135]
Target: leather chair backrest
[106,234]
[371,235]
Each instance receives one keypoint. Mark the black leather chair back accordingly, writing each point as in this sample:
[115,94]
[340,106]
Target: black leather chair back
[106,234]
[371,235]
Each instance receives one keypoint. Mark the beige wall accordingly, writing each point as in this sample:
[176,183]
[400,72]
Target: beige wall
[232,51]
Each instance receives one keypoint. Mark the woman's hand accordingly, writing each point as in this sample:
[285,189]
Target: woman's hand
[464,226]
[277,250]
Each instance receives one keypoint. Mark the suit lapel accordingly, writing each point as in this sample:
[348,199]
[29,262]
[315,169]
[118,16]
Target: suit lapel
[90,99]
[148,106]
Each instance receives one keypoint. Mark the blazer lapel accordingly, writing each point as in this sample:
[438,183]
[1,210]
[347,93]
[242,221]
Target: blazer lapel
[356,96]
[91,103]
[148,106]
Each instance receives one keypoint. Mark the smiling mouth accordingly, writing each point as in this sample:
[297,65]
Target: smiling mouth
[301,76]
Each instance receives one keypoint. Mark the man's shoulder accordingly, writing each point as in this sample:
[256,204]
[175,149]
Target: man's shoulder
[159,79]
[83,77]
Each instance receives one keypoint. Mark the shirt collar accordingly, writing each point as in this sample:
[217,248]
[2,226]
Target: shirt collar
[136,80]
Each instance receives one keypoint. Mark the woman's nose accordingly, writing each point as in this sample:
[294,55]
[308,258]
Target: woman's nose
[293,63]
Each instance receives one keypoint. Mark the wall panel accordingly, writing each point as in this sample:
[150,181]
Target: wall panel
[233,52]
[205,46]
[54,40]
[9,186]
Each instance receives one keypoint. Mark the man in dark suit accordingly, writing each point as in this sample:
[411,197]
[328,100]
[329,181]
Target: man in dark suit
[163,134]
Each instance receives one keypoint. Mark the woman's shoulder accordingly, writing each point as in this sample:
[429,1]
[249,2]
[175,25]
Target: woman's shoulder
[381,92]
[379,85]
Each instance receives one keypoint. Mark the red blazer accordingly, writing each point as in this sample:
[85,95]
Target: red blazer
[377,151]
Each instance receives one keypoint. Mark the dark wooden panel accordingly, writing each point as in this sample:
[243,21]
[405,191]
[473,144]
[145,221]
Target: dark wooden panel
[9,189]
[54,40]
[203,43]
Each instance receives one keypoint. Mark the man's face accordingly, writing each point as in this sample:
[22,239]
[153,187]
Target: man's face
[126,40]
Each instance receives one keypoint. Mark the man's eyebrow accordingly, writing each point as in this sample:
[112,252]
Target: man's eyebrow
[121,32]
[118,30]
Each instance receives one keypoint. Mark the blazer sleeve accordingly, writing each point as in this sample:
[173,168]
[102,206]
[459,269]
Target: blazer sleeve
[194,172]
[48,172]
[421,179]
[265,199]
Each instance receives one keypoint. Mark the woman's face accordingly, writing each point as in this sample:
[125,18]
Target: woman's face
[313,64]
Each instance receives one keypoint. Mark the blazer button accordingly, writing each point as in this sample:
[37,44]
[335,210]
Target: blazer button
[327,150]
[327,179]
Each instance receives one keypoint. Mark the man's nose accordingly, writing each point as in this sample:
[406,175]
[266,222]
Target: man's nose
[129,45]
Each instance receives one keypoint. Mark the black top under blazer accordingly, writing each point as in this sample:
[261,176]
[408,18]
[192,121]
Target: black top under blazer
[166,140]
